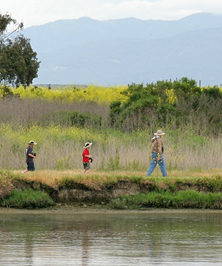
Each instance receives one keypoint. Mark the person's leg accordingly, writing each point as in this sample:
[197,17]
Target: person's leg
[26,170]
[32,167]
[152,165]
[162,166]
[86,168]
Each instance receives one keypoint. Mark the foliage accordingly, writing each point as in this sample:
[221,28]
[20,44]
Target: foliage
[164,103]
[18,62]
[29,199]
[6,20]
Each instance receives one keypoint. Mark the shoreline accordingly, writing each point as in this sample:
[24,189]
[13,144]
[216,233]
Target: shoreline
[70,209]
[111,193]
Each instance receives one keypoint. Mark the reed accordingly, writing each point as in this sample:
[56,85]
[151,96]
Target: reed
[60,148]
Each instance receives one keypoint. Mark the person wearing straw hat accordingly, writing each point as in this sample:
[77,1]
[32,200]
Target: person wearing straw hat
[30,156]
[86,157]
[157,154]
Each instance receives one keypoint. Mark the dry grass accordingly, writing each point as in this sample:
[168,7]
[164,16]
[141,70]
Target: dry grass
[15,109]
[54,178]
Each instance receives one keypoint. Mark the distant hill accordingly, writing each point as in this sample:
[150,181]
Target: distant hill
[85,51]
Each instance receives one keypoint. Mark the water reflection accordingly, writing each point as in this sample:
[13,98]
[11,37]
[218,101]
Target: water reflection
[111,239]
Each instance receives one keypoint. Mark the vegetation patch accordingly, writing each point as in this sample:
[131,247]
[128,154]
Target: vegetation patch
[161,199]
[29,199]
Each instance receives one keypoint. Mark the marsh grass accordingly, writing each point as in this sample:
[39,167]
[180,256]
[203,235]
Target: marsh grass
[161,199]
[60,148]
[28,198]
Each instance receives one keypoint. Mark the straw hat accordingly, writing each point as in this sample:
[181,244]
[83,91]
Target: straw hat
[32,142]
[159,133]
[87,145]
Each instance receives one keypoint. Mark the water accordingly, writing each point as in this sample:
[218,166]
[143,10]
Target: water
[119,238]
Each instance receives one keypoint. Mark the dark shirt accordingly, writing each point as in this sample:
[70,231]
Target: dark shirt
[29,159]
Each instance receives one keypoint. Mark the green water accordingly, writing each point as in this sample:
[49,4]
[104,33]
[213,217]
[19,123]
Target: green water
[111,239]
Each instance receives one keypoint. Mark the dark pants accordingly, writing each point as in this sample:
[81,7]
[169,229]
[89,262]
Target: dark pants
[30,166]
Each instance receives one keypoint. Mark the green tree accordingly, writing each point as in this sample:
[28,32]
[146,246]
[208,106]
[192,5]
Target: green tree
[18,62]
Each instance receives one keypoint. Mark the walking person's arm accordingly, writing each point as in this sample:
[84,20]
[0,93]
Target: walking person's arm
[160,144]
[30,155]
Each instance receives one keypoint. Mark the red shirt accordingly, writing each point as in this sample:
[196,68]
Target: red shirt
[84,158]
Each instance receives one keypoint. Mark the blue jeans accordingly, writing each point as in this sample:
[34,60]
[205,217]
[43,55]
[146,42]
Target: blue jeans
[153,164]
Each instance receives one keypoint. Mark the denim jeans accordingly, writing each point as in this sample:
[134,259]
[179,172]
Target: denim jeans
[153,164]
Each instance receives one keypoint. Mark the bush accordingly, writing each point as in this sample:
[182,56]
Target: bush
[168,104]
[29,199]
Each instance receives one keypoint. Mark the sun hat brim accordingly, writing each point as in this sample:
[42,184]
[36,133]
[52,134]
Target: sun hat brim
[87,145]
[32,142]
[159,133]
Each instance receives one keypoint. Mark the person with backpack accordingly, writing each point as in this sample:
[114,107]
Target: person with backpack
[157,154]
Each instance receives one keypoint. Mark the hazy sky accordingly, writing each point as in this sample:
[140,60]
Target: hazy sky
[37,12]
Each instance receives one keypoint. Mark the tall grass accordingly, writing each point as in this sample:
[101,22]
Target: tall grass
[35,111]
[61,148]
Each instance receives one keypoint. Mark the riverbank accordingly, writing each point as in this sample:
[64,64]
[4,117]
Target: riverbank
[98,209]
[120,190]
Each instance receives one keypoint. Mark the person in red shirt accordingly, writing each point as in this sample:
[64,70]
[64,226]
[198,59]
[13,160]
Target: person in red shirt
[86,157]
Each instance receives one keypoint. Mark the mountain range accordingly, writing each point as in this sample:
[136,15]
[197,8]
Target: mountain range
[124,51]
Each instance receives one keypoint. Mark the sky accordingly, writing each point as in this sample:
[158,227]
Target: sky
[38,12]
